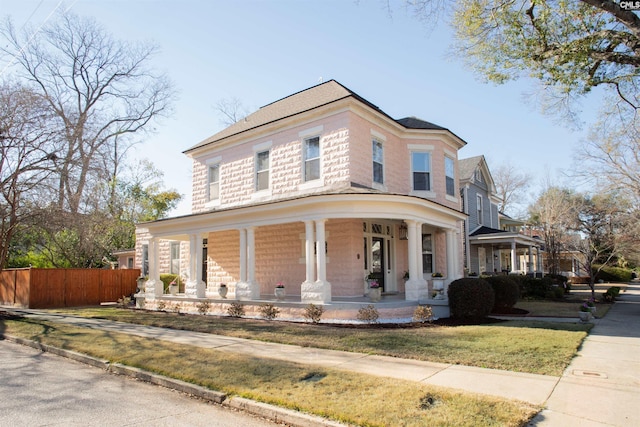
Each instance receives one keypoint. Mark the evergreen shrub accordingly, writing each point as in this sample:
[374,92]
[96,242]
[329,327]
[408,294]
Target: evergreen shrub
[470,298]
[506,291]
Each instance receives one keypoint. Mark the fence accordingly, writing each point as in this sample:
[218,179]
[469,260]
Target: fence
[64,287]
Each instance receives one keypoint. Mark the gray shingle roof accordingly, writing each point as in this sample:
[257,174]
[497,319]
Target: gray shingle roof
[305,100]
[467,167]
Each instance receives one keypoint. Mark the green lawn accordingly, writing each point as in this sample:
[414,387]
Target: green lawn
[522,346]
[352,398]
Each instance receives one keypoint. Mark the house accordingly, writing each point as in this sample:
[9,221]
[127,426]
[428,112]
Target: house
[494,242]
[317,190]
[125,259]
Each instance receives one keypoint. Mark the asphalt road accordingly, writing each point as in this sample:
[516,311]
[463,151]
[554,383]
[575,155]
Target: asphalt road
[41,389]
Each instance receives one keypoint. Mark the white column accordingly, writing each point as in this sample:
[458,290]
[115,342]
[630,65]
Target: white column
[452,256]
[538,260]
[416,287]
[318,291]
[321,255]
[153,286]
[245,289]
[530,263]
[251,255]
[514,268]
[195,286]
[309,242]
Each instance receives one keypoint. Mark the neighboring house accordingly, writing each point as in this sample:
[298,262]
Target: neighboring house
[125,259]
[493,242]
[316,190]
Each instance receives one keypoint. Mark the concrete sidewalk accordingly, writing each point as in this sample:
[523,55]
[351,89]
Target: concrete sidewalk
[601,386]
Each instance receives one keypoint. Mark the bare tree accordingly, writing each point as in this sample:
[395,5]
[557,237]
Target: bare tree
[551,214]
[511,185]
[231,111]
[99,89]
[27,158]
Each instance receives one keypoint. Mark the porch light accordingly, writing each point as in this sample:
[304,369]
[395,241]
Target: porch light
[403,232]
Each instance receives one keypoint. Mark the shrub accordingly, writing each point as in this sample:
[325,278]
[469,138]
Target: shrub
[124,302]
[235,309]
[269,311]
[313,312]
[470,298]
[613,274]
[506,291]
[368,314]
[611,294]
[423,314]
[166,279]
[203,307]
[533,288]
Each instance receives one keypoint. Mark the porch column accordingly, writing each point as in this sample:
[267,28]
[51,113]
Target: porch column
[319,291]
[530,266]
[452,256]
[195,287]
[416,287]
[246,288]
[513,258]
[538,260]
[153,287]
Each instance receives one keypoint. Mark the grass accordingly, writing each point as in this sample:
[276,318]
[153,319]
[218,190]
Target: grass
[521,346]
[348,397]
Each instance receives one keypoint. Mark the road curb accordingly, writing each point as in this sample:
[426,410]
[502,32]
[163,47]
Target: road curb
[275,413]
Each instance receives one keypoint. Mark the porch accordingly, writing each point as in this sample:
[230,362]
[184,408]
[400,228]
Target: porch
[392,308]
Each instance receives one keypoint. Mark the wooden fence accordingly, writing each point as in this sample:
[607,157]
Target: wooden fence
[65,287]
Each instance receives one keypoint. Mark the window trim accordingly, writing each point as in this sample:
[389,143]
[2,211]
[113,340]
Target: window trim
[421,150]
[377,142]
[452,178]
[305,159]
[209,182]
[257,172]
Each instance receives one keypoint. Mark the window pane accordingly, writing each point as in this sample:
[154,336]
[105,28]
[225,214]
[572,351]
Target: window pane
[451,186]
[214,191]
[263,161]
[312,169]
[420,162]
[214,173]
[377,173]
[312,148]
[449,168]
[262,180]
[421,181]
[377,151]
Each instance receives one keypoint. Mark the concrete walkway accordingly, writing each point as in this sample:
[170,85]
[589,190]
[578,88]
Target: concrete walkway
[599,388]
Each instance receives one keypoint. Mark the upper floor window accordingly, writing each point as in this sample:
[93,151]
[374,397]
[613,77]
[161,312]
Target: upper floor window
[479,208]
[378,161]
[421,169]
[479,176]
[450,174]
[214,182]
[262,170]
[312,158]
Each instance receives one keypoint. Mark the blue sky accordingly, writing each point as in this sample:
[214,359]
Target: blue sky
[259,51]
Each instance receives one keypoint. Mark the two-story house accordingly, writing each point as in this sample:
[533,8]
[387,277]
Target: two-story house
[316,190]
[493,241]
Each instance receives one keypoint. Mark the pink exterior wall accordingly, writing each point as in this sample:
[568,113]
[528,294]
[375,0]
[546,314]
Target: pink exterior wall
[285,157]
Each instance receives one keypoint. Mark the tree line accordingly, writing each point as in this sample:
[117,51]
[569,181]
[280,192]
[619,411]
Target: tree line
[73,101]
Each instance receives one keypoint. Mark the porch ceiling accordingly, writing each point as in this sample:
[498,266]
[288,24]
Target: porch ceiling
[315,207]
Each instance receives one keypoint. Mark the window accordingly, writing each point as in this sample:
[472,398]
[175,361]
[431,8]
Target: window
[421,168]
[450,173]
[175,258]
[479,208]
[479,176]
[378,162]
[312,158]
[214,182]
[262,170]
[427,254]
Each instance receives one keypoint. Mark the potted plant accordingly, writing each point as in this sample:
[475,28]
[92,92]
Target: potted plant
[222,290]
[585,312]
[279,291]
[592,306]
[375,291]
[174,285]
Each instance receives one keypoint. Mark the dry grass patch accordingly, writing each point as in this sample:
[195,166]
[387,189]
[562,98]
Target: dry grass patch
[348,397]
[540,348]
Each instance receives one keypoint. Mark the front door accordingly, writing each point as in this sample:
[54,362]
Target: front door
[377,260]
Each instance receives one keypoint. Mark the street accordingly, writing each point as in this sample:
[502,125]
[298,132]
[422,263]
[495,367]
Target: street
[41,389]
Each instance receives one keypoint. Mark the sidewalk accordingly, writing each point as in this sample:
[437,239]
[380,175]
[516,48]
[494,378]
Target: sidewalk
[599,388]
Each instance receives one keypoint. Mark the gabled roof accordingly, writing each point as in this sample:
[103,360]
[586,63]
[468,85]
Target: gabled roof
[306,100]
[467,167]
[488,230]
